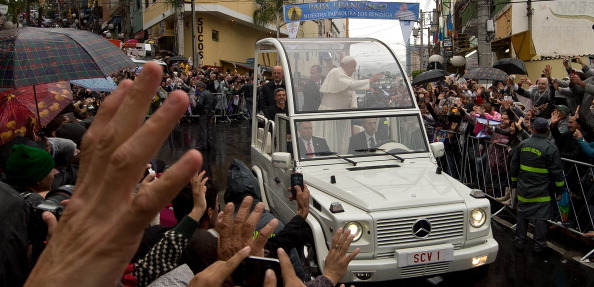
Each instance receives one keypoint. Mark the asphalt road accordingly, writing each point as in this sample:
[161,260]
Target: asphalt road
[512,268]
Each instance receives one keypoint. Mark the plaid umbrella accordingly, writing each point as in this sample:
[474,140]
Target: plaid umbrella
[18,104]
[486,73]
[32,56]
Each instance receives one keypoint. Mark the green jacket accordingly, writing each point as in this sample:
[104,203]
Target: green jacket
[537,169]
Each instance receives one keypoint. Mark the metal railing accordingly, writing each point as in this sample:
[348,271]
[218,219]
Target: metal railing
[482,164]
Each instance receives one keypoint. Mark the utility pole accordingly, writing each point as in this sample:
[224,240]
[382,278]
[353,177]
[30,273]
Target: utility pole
[421,52]
[194,58]
[484,47]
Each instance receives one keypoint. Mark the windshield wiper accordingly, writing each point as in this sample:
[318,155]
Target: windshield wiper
[327,153]
[382,150]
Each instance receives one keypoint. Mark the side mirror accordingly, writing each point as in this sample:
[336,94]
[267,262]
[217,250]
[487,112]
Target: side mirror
[282,160]
[438,149]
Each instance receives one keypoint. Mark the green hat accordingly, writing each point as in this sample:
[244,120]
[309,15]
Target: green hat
[564,109]
[28,165]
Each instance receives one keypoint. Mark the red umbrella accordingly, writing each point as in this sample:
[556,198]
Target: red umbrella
[132,41]
[17,105]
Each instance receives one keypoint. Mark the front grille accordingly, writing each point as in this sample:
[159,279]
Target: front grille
[398,231]
[424,269]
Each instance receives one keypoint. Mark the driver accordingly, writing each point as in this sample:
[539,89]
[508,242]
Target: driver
[369,138]
[307,144]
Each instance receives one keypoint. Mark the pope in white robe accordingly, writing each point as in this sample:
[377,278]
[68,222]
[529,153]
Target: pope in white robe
[338,92]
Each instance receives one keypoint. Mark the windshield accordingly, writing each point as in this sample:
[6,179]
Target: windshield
[359,136]
[345,75]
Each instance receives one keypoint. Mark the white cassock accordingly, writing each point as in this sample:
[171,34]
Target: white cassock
[338,92]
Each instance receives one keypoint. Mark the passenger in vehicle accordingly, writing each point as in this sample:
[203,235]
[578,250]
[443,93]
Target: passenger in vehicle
[338,94]
[339,86]
[280,107]
[266,96]
[311,89]
[309,145]
[369,138]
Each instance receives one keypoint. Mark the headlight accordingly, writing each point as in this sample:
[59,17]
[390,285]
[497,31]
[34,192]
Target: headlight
[477,217]
[355,228]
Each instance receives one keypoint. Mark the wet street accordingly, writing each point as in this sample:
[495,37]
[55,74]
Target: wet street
[512,268]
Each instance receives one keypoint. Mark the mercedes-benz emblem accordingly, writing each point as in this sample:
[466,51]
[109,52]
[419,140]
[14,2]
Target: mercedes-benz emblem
[421,228]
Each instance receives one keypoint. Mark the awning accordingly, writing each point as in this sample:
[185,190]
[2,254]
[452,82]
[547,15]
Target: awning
[523,45]
[240,64]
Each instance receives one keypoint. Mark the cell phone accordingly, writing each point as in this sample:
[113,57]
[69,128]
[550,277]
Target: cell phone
[296,179]
[574,60]
[507,98]
[251,271]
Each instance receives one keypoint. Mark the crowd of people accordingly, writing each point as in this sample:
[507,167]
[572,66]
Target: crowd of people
[88,168]
[482,126]
[92,171]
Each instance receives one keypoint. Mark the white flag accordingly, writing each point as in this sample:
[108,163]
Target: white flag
[293,28]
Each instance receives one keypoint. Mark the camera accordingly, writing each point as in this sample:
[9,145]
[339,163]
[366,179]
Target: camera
[574,60]
[36,204]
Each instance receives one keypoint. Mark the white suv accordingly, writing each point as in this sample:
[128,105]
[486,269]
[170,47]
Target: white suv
[410,219]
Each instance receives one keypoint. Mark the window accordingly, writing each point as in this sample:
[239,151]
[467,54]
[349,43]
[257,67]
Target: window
[215,35]
[146,4]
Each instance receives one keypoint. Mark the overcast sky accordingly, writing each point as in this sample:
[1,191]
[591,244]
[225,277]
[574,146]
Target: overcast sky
[387,31]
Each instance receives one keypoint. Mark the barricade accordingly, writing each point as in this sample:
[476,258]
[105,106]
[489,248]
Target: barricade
[481,164]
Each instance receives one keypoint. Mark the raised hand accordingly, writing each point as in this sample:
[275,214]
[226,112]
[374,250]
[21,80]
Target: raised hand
[236,233]
[104,222]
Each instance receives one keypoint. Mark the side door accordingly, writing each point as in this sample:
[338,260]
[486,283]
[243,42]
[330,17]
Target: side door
[282,178]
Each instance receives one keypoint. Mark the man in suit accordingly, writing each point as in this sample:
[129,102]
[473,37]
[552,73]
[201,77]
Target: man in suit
[308,144]
[311,89]
[280,106]
[267,92]
[367,139]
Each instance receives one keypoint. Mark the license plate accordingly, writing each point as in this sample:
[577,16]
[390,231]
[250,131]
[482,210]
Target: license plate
[416,256]
[427,257]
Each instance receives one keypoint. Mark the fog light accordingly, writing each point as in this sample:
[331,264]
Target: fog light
[478,261]
[363,275]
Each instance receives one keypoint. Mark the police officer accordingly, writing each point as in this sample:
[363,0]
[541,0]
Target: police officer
[205,106]
[537,170]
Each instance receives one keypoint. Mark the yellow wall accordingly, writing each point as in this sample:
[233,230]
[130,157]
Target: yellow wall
[535,68]
[236,42]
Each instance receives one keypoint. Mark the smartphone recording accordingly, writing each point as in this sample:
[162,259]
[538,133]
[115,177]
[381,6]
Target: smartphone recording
[252,270]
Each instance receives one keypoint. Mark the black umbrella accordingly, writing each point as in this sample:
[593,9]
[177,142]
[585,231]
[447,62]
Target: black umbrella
[429,76]
[486,73]
[32,56]
[511,66]
[176,59]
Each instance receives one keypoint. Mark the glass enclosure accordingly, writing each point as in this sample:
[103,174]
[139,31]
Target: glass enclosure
[345,74]
[320,138]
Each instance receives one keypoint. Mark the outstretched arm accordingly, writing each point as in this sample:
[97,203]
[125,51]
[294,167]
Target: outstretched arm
[104,222]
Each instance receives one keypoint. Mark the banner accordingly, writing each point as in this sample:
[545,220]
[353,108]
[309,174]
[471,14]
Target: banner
[353,10]
[293,28]
[406,28]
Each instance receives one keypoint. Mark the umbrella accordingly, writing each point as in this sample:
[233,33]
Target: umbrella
[177,59]
[96,84]
[133,41]
[18,104]
[32,56]
[511,66]
[486,73]
[429,76]
[164,53]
